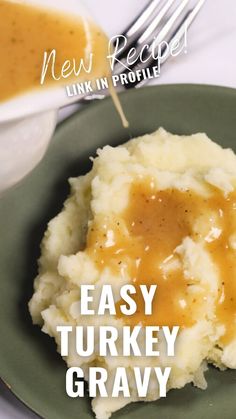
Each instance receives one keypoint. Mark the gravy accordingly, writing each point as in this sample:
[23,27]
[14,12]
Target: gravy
[148,232]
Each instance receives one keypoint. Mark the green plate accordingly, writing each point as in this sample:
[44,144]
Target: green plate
[29,363]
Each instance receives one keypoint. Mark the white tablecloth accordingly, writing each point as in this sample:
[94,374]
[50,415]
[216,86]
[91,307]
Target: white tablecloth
[211,59]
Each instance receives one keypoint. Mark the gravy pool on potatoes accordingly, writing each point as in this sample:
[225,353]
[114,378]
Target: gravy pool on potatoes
[157,222]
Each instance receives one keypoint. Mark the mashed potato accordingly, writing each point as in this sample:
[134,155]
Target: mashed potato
[158,209]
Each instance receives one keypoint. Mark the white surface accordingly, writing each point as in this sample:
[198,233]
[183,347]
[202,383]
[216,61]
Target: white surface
[211,59]
[23,144]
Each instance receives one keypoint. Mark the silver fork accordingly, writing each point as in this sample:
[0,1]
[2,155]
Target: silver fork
[148,26]
[153,24]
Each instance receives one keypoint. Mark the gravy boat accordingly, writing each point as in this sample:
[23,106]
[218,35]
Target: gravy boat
[41,99]
[28,120]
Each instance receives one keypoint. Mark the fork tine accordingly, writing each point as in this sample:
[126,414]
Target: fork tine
[152,27]
[143,17]
[184,25]
[133,31]
[170,23]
